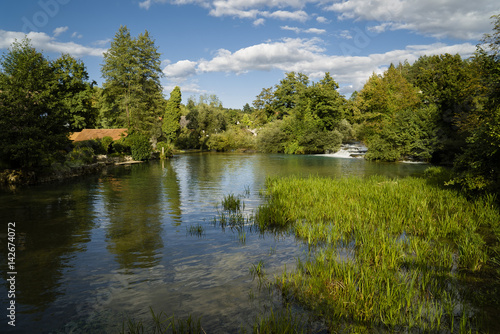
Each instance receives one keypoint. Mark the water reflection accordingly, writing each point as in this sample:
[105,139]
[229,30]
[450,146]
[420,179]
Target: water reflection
[52,225]
[172,191]
[100,247]
[132,207]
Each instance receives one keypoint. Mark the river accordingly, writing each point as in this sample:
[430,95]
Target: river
[95,251]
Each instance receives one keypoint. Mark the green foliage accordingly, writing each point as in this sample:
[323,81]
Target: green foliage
[166,149]
[477,167]
[170,125]
[75,92]
[121,146]
[132,93]
[32,117]
[80,155]
[271,138]
[399,274]
[140,147]
[106,143]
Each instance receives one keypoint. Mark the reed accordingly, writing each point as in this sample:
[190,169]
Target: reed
[231,203]
[391,253]
[162,323]
[196,230]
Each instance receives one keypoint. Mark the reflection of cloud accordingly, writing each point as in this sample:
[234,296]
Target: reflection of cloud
[44,42]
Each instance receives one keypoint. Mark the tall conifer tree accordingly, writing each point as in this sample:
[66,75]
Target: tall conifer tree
[172,116]
[132,72]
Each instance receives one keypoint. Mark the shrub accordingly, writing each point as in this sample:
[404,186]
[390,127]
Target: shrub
[106,144]
[271,138]
[121,146]
[140,148]
[219,142]
[80,156]
[167,148]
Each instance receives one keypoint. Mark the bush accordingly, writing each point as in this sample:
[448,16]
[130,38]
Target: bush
[121,146]
[139,147]
[106,144]
[271,138]
[80,156]
[219,142]
[167,148]
[345,128]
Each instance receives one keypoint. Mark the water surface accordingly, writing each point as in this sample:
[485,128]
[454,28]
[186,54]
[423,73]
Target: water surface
[96,250]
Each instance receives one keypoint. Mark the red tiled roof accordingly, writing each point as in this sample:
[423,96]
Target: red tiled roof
[87,134]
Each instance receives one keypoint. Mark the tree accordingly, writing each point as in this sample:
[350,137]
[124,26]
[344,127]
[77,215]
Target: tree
[171,119]
[324,101]
[397,124]
[32,118]
[75,92]
[287,93]
[132,72]
[477,167]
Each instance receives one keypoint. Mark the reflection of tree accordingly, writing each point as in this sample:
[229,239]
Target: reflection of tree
[52,223]
[133,206]
[172,191]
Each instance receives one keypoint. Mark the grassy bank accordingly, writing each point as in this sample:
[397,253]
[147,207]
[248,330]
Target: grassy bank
[397,255]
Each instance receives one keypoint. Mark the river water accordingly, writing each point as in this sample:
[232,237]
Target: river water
[95,251]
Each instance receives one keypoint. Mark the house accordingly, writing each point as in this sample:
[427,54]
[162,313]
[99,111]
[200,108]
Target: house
[88,134]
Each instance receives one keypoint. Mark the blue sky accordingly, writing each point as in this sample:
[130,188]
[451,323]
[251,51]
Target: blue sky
[235,48]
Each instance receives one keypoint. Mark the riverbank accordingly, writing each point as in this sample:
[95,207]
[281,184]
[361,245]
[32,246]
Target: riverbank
[59,172]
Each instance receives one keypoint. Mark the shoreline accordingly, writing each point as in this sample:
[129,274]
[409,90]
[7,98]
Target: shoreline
[18,177]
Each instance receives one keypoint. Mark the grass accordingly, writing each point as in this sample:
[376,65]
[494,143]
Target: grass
[161,323]
[391,254]
[196,230]
[231,203]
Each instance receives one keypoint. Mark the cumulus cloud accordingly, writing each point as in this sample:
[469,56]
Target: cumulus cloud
[322,19]
[308,56]
[44,42]
[259,22]
[59,30]
[307,31]
[180,69]
[461,19]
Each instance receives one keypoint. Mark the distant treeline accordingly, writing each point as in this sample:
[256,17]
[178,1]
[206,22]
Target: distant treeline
[441,109]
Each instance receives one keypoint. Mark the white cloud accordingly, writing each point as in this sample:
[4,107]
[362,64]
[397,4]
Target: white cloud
[42,42]
[59,30]
[461,19]
[298,15]
[345,34]
[315,31]
[76,35]
[309,57]
[259,22]
[322,19]
[294,29]
[307,31]
[183,68]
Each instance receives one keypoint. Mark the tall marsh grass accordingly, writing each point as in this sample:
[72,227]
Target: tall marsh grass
[391,253]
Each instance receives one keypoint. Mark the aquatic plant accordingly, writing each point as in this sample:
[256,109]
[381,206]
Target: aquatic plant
[391,254]
[231,203]
[162,323]
[196,230]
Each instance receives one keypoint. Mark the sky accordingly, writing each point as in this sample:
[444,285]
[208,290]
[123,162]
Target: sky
[235,48]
